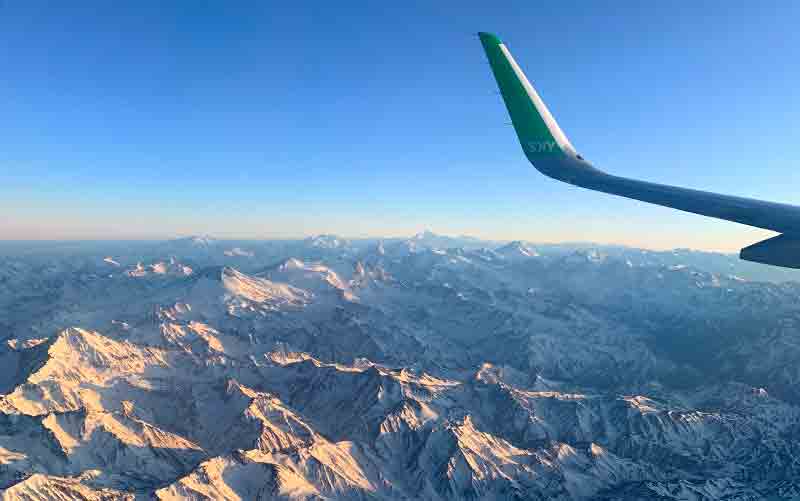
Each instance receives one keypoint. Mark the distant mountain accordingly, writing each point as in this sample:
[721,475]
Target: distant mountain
[327,242]
[428,239]
[516,250]
[195,241]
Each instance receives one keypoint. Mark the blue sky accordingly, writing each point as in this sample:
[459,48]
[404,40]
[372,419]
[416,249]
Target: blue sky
[278,119]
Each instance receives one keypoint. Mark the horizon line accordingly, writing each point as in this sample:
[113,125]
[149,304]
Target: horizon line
[587,243]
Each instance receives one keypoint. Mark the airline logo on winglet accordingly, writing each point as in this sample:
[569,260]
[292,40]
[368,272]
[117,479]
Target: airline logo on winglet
[541,147]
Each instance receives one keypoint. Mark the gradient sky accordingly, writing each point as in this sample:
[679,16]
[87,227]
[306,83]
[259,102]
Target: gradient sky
[278,119]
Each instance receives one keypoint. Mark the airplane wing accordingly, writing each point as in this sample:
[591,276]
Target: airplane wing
[550,152]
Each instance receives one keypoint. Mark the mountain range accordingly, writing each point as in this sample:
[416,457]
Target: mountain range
[429,367]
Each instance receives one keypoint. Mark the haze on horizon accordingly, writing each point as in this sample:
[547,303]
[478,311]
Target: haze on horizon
[147,121]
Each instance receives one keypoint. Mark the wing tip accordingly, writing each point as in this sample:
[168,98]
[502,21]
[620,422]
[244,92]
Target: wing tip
[489,39]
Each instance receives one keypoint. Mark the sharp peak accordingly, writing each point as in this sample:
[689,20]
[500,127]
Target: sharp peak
[426,233]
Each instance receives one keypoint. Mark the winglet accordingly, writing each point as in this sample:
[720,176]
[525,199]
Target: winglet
[549,150]
[537,130]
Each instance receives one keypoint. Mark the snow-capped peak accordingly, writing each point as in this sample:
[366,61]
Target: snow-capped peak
[517,249]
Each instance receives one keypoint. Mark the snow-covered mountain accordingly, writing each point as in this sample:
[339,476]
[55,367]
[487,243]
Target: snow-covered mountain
[422,368]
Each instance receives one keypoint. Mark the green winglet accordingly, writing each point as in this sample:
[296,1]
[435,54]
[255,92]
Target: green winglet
[536,129]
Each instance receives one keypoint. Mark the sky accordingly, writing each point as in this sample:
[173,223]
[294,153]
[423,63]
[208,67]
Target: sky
[146,119]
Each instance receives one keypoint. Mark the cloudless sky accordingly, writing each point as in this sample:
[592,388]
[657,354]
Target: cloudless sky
[264,119]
